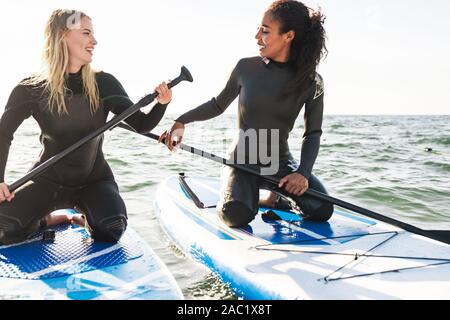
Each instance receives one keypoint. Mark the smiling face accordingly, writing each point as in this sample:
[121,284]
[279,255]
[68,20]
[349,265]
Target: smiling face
[273,44]
[81,43]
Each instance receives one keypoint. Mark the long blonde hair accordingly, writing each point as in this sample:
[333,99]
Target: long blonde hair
[55,60]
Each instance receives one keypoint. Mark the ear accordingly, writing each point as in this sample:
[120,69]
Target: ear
[290,35]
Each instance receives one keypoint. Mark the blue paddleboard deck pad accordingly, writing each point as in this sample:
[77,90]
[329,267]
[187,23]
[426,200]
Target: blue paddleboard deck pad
[73,266]
[72,252]
[348,257]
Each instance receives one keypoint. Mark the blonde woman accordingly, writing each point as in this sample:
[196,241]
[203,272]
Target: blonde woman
[68,100]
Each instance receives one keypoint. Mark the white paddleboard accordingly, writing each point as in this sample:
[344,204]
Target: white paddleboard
[73,266]
[348,257]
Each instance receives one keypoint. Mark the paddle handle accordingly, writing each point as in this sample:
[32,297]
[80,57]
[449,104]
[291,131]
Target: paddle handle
[185,75]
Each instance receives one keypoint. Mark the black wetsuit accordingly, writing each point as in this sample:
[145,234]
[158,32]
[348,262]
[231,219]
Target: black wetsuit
[263,105]
[83,178]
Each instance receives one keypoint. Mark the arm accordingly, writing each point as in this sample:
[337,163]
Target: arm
[116,100]
[297,183]
[208,110]
[313,129]
[217,105]
[17,109]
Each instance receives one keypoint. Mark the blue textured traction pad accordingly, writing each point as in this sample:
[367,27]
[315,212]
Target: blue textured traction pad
[71,243]
[290,229]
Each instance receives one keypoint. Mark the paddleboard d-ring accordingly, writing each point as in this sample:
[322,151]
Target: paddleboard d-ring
[49,235]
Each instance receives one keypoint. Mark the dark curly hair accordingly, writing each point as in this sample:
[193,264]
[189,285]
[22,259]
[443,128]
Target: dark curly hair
[308,47]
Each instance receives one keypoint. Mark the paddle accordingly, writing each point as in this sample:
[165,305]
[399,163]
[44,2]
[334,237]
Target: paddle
[440,235]
[185,75]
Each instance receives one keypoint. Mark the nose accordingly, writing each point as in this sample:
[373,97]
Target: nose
[94,41]
[258,34]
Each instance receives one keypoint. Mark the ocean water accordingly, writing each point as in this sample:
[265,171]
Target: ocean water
[395,165]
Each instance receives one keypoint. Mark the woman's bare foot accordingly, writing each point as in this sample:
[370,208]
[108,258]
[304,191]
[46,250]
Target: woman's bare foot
[55,218]
[78,219]
[268,200]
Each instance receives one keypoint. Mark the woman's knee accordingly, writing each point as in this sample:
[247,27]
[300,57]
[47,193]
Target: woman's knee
[321,214]
[105,211]
[11,231]
[236,214]
[314,209]
[109,229]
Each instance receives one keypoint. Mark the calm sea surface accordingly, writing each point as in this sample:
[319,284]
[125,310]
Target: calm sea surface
[395,165]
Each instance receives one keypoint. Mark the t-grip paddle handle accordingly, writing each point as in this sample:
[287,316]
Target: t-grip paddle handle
[185,75]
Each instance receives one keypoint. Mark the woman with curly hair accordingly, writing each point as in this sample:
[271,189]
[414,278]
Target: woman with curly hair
[272,89]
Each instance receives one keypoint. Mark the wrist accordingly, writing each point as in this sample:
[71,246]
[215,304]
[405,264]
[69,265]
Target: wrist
[165,104]
[302,172]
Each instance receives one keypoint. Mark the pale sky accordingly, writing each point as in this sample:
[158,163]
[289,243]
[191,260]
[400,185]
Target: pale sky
[385,56]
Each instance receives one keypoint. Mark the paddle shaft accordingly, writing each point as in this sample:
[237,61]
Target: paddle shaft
[108,125]
[440,235]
